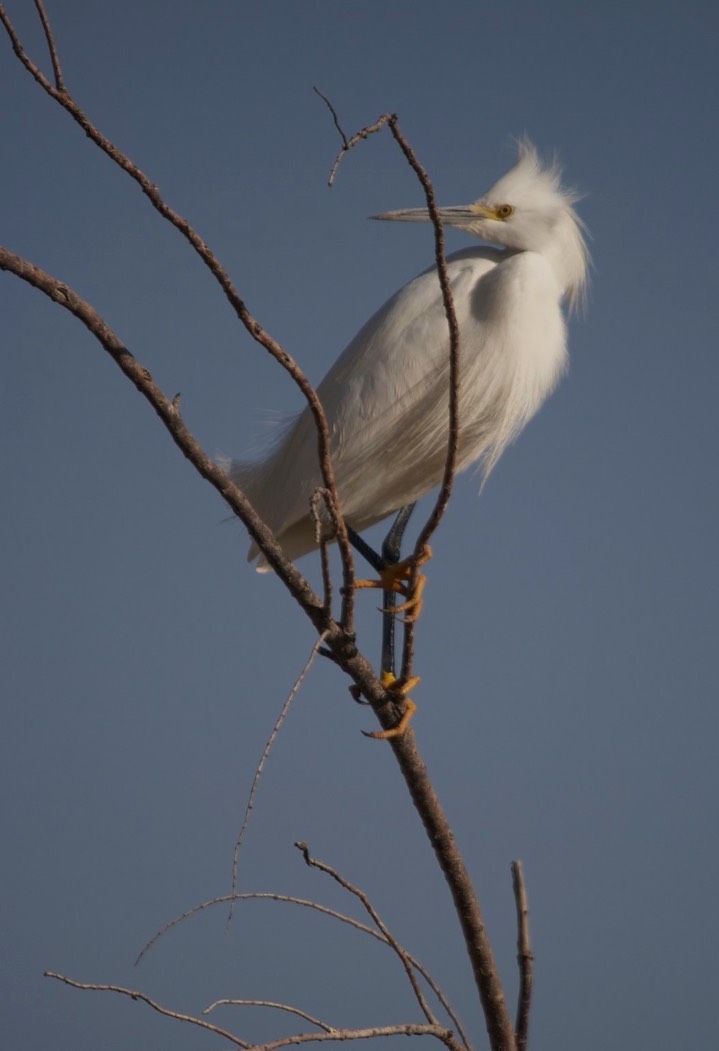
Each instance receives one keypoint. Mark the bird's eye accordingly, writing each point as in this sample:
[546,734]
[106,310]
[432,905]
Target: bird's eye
[504,211]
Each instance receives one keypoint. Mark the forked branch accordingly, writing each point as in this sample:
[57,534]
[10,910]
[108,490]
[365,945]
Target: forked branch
[329,1032]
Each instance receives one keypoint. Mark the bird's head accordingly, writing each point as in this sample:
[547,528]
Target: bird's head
[527,210]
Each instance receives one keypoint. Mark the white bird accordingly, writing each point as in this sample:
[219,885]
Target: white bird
[386,397]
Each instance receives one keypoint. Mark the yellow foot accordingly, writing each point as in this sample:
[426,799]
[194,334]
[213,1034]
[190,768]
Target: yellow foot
[394,578]
[402,688]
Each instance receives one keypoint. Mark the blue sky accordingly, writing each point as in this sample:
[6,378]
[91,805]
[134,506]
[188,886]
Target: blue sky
[568,646]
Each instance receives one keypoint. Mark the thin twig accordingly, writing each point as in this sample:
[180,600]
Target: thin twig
[445,491]
[347,144]
[333,111]
[454,379]
[49,37]
[271,1003]
[135,995]
[369,907]
[525,957]
[370,1033]
[263,759]
[319,498]
[256,331]
[452,324]
[223,899]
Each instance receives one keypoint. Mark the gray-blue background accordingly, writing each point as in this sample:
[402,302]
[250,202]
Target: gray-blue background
[568,645]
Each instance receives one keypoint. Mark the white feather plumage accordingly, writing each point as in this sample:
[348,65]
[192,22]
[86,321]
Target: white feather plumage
[386,397]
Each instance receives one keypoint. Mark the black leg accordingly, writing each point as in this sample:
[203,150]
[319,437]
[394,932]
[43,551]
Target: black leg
[391,549]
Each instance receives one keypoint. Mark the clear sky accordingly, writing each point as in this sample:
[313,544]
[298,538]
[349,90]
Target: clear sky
[568,648]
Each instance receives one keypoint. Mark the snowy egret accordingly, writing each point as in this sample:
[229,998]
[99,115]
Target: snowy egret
[386,397]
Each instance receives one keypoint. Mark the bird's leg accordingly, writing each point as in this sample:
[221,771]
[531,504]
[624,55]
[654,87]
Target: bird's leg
[391,551]
[395,577]
[392,573]
[385,565]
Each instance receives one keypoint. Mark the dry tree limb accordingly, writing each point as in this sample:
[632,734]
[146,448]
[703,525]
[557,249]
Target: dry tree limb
[324,910]
[347,144]
[525,957]
[51,46]
[320,498]
[271,1003]
[63,295]
[446,1036]
[445,491]
[369,907]
[330,1033]
[134,994]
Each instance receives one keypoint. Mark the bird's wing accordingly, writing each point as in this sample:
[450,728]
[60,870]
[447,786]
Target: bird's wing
[377,398]
[398,354]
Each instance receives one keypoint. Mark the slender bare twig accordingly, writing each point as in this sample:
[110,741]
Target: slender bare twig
[454,380]
[347,144]
[134,994]
[319,499]
[369,907]
[525,957]
[335,118]
[369,1033]
[224,899]
[263,759]
[325,911]
[256,331]
[51,46]
[445,491]
[271,1003]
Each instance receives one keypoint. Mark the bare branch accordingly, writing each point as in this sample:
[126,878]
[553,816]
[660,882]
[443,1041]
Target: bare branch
[391,940]
[347,144]
[404,1029]
[370,1033]
[270,1003]
[469,914]
[257,896]
[430,527]
[167,410]
[454,379]
[263,759]
[326,911]
[454,362]
[135,995]
[335,118]
[319,498]
[525,957]
[256,331]
[54,57]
